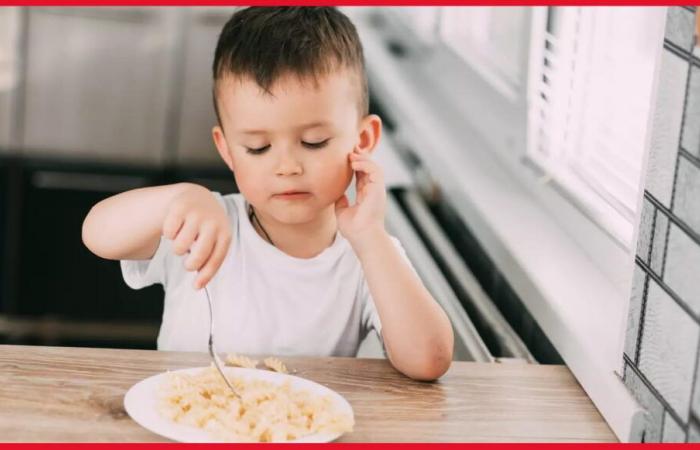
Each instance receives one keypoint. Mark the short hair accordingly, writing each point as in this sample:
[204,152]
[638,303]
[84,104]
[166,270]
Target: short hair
[266,43]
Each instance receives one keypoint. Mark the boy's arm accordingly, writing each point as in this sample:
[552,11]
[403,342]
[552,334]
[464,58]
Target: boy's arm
[417,333]
[129,226]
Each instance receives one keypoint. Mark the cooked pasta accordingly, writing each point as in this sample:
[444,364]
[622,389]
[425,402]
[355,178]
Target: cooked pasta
[275,364]
[266,412]
[241,361]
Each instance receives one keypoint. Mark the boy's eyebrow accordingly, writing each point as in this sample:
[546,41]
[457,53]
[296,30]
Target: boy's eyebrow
[320,123]
[252,132]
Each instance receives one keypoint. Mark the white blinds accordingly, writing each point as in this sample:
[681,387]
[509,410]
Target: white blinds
[590,102]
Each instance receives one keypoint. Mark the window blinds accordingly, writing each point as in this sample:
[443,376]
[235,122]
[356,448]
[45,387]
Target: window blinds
[590,102]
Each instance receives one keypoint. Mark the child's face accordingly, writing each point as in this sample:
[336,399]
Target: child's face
[296,140]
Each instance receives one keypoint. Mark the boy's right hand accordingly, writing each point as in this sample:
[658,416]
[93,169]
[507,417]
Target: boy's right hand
[197,223]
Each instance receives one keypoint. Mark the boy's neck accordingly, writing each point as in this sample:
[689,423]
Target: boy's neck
[300,241]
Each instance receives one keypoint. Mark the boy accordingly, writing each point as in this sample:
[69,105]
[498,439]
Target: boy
[291,266]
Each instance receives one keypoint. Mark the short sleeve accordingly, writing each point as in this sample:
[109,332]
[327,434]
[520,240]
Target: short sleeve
[370,317]
[141,273]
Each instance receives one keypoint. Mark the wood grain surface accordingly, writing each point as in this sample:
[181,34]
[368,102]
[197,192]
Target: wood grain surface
[76,394]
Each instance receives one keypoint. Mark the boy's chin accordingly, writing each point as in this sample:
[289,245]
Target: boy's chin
[296,215]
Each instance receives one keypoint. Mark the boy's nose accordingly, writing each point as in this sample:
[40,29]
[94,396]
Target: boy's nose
[288,164]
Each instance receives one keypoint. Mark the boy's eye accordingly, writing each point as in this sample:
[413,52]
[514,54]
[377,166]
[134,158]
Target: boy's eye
[258,151]
[314,145]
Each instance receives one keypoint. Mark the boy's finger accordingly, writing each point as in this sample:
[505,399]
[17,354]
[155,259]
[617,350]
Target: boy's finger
[369,168]
[201,249]
[207,272]
[185,237]
[366,166]
[360,180]
[171,225]
[342,203]
[360,156]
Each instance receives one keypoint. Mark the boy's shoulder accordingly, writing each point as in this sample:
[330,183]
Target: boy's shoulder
[234,203]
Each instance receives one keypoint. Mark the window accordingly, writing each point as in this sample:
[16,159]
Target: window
[486,38]
[590,94]
[580,86]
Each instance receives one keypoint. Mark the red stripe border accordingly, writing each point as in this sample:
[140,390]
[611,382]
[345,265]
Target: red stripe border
[386,446]
[70,3]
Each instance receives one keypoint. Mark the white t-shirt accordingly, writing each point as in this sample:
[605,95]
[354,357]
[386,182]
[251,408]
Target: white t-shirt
[265,301]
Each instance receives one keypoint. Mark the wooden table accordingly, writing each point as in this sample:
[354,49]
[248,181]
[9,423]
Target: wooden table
[76,394]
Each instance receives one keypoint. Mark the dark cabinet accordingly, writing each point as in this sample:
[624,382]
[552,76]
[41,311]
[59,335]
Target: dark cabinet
[47,275]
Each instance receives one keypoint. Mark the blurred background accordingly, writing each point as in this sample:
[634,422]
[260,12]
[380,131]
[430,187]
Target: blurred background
[543,165]
[94,101]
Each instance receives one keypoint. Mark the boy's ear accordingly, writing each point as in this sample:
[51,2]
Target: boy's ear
[222,146]
[370,132]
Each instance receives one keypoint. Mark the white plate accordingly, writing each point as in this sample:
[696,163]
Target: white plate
[141,403]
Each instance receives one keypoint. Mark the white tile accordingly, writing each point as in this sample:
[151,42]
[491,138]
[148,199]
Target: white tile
[682,272]
[693,432]
[667,352]
[695,403]
[690,138]
[635,311]
[666,126]
[673,432]
[645,223]
[654,409]
[686,203]
[659,242]
[680,25]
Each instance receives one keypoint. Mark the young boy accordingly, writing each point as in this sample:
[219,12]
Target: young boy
[291,266]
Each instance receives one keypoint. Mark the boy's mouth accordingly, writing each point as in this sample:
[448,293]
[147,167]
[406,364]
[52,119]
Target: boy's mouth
[292,195]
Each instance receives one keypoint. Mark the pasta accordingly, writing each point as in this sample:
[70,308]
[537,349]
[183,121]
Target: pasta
[271,363]
[266,412]
[241,361]
[275,364]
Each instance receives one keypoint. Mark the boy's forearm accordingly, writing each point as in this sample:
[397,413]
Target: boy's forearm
[129,225]
[416,331]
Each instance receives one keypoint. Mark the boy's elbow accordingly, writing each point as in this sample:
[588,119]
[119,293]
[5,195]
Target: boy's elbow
[438,357]
[432,364]
[435,365]
[89,234]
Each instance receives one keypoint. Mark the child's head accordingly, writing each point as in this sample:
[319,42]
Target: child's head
[290,93]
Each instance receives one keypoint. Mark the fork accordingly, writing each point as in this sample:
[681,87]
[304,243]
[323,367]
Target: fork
[212,350]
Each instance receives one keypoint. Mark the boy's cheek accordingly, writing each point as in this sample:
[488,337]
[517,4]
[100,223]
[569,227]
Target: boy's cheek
[336,181]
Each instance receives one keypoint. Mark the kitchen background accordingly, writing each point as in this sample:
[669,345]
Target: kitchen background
[528,151]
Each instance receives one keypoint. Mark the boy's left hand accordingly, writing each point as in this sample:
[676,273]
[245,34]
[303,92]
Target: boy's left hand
[365,218]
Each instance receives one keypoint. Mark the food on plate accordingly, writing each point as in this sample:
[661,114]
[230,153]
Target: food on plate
[266,411]
[240,361]
[275,364]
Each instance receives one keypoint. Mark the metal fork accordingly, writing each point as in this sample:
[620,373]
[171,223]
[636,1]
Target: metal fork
[217,361]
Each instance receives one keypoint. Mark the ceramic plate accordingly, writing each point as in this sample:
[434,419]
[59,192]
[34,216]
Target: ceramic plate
[141,403]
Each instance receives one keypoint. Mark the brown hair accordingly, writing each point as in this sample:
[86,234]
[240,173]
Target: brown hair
[265,43]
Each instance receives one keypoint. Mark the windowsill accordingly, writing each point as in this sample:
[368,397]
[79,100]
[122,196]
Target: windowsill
[579,306]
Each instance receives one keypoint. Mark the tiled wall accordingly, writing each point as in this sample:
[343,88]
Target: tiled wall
[663,333]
